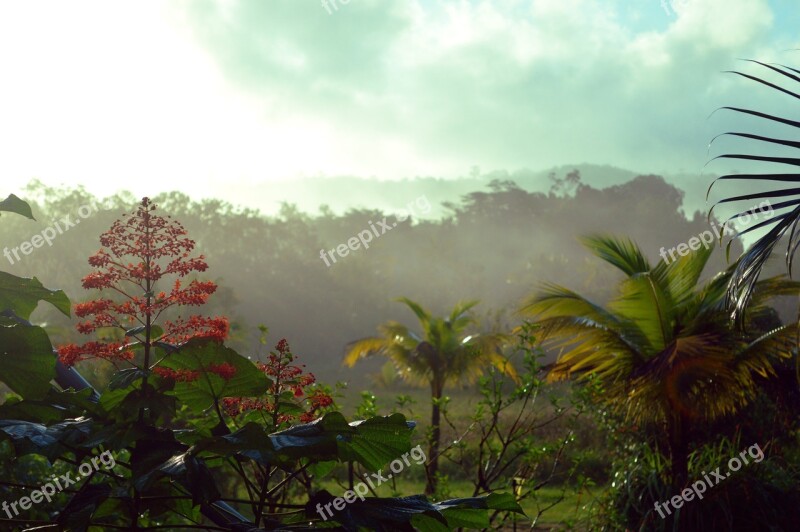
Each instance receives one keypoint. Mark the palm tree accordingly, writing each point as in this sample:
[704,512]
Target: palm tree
[446,354]
[663,349]
[751,263]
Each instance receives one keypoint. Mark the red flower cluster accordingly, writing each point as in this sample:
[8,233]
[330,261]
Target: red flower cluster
[138,252]
[177,375]
[71,354]
[180,330]
[224,370]
[285,376]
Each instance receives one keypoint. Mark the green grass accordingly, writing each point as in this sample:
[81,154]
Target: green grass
[560,507]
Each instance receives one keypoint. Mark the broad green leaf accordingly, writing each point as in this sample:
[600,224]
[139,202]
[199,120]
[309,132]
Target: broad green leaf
[468,518]
[320,470]
[55,406]
[49,441]
[377,441]
[22,295]
[191,471]
[78,511]
[197,355]
[126,377]
[493,501]
[110,399]
[13,204]
[472,512]
[375,513]
[250,441]
[373,443]
[27,363]
[153,448]
[426,523]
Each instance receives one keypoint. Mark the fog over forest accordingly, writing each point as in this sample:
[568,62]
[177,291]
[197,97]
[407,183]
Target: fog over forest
[496,243]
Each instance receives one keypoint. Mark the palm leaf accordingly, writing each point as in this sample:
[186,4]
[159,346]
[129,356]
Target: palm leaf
[646,303]
[620,253]
[362,349]
[751,263]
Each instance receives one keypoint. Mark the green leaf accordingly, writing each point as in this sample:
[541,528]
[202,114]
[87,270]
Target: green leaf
[191,471]
[49,441]
[288,407]
[111,399]
[197,355]
[374,513]
[470,513]
[426,523]
[468,518]
[372,443]
[27,363]
[55,406]
[320,470]
[126,377]
[78,511]
[13,204]
[22,295]
[250,441]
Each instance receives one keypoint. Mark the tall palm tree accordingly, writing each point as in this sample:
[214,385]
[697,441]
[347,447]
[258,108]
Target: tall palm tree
[773,151]
[663,348]
[446,354]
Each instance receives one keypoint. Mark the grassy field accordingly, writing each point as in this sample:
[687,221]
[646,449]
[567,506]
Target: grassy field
[553,507]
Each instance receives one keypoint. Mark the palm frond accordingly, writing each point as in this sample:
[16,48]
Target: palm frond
[681,276]
[554,301]
[646,303]
[621,253]
[416,308]
[462,308]
[362,349]
[751,263]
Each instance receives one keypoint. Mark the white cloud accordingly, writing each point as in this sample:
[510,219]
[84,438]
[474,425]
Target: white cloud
[153,96]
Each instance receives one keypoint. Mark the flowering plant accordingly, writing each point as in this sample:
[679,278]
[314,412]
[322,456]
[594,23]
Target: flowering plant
[292,394]
[138,255]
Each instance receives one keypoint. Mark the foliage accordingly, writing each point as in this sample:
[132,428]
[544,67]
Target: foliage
[165,418]
[750,265]
[446,354]
[503,443]
[663,348]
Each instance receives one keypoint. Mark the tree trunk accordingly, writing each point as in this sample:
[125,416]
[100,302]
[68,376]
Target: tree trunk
[435,435]
[679,452]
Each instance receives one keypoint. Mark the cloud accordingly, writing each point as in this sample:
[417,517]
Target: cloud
[500,84]
[192,94]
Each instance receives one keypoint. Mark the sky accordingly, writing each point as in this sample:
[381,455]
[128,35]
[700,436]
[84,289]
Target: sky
[207,96]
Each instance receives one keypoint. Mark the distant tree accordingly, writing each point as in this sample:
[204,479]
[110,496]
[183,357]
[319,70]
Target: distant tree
[445,355]
[663,349]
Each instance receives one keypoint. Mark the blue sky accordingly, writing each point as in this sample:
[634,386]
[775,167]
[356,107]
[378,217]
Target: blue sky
[202,95]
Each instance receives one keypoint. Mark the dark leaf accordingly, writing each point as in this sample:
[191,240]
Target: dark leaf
[27,363]
[13,204]
[22,295]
